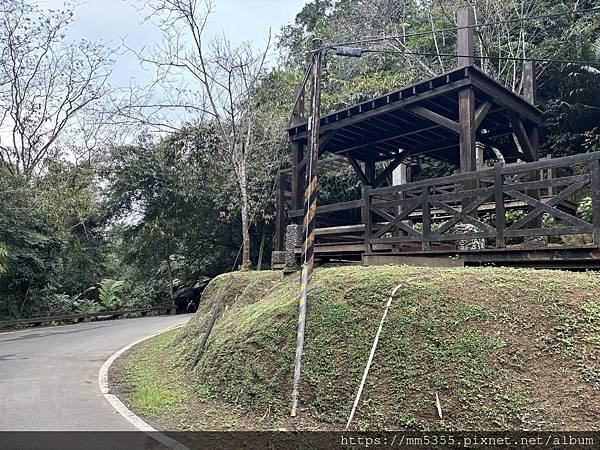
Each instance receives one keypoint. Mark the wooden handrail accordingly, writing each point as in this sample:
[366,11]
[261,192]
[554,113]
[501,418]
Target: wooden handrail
[504,184]
[507,170]
[334,207]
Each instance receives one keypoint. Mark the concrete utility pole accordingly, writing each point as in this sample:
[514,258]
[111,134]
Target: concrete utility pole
[310,212]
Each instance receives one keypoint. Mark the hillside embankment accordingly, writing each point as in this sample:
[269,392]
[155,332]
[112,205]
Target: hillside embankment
[502,349]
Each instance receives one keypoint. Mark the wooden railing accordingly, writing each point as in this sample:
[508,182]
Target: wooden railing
[465,197]
[81,317]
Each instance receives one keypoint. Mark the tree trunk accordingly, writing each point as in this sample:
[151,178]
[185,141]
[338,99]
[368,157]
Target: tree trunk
[245,218]
[261,251]
[171,289]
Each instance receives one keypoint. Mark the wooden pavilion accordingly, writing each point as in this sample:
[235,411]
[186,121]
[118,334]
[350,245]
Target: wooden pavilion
[465,118]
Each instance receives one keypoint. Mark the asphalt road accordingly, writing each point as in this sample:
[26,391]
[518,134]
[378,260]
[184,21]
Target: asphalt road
[49,376]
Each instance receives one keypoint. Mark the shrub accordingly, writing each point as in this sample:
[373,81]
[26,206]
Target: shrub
[584,210]
[107,293]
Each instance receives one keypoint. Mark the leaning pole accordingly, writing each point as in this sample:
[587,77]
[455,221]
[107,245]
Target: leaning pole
[310,210]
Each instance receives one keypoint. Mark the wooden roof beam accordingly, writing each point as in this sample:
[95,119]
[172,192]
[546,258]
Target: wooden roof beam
[358,170]
[504,97]
[400,104]
[481,112]
[387,139]
[435,117]
[522,138]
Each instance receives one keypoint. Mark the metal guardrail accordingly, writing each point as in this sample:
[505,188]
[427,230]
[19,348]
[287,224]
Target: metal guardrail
[37,321]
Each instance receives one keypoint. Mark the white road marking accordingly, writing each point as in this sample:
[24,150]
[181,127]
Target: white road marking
[132,418]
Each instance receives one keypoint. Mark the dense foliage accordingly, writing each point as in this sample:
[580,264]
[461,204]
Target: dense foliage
[109,225]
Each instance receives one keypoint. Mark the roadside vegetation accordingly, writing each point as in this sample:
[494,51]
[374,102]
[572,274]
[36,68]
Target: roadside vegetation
[112,191]
[502,348]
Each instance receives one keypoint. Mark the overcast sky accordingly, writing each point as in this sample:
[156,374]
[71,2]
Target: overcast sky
[108,20]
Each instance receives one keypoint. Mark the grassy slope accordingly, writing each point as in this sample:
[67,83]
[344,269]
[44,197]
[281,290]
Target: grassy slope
[503,348]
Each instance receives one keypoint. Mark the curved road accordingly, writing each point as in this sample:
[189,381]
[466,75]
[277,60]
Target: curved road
[49,376]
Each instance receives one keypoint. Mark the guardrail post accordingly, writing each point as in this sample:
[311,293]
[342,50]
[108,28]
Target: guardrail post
[426,218]
[499,200]
[595,188]
[366,195]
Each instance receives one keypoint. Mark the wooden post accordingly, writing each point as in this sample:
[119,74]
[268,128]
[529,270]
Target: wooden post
[297,175]
[426,218]
[466,97]
[530,94]
[595,188]
[366,195]
[529,82]
[499,200]
[369,171]
[298,149]
[280,219]
[468,156]
[465,19]
[466,111]
[298,112]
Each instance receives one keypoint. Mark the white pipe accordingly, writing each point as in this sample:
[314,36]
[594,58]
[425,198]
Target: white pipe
[373,348]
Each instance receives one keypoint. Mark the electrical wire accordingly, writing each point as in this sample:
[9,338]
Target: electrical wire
[498,58]
[476,25]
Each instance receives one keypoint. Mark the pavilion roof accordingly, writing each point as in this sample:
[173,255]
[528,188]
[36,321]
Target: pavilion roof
[422,119]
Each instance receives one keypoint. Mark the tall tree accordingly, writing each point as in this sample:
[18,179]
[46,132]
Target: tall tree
[422,35]
[46,83]
[214,81]
[171,198]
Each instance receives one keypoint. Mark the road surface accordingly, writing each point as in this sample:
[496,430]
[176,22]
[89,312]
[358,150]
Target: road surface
[49,376]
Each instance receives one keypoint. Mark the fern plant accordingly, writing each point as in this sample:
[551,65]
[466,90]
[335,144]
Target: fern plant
[108,290]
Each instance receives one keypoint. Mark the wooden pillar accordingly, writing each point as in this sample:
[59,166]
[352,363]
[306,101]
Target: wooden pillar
[297,177]
[468,154]
[369,171]
[466,118]
[298,152]
[465,19]
[529,82]
[366,214]
[298,111]
[466,97]
[280,219]
[530,94]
